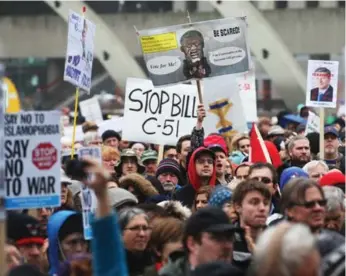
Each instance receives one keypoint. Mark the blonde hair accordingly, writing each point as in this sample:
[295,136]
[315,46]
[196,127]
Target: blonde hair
[236,138]
[110,153]
[91,136]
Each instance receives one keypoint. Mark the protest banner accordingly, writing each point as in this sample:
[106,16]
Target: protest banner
[80,51]
[91,110]
[225,113]
[322,83]
[3,238]
[88,197]
[198,50]
[158,115]
[247,92]
[32,160]
[312,124]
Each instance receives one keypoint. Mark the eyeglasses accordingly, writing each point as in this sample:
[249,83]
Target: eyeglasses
[139,228]
[311,204]
[265,180]
[202,161]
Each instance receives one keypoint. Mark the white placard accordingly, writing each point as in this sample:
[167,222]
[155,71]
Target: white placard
[312,124]
[158,115]
[80,51]
[322,83]
[222,102]
[91,110]
[247,92]
[87,196]
[32,154]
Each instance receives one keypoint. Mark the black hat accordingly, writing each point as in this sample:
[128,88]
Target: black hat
[25,270]
[23,229]
[217,268]
[208,219]
[110,134]
[204,151]
[73,224]
[169,165]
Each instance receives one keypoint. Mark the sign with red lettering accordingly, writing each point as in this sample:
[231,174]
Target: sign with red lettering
[44,156]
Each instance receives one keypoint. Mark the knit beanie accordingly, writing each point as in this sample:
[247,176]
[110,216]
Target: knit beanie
[220,196]
[169,165]
[110,134]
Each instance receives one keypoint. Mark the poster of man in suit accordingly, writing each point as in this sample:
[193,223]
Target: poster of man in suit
[322,83]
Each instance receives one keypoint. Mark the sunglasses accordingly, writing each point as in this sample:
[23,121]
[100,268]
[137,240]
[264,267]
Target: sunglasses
[265,180]
[311,204]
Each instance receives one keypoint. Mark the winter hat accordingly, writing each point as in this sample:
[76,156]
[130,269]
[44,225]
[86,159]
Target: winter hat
[169,165]
[175,209]
[73,224]
[332,178]
[220,196]
[128,153]
[290,173]
[23,229]
[149,155]
[276,131]
[215,142]
[110,134]
[301,127]
[25,270]
[119,197]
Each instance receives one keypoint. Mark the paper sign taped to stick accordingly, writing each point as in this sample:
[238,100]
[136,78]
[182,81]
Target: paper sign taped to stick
[193,51]
[247,92]
[91,110]
[312,124]
[88,198]
[322,83]
[80,51]
[158,115]
[225,113]
[32,156]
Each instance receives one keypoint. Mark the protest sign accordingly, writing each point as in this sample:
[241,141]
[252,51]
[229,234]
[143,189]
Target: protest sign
[32,160]
[196,50]
[247,92]
[158,115]
[80,51]
[322,83]
[312,124]
[3,106]
[91,110]
[88,198]
[225,113]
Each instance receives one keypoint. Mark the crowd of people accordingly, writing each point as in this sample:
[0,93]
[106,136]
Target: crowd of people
[202,207]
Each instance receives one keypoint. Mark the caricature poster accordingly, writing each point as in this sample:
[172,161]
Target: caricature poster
[195,51]
[80,51]
[322,83]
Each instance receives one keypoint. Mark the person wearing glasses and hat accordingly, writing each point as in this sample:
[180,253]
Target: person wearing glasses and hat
[129,163]
[332,156]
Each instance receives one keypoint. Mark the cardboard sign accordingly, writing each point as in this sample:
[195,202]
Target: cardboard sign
[80,51]
[225,113]
[159,116]
[91,110]
[312,124]
[194,51]
[32,156]
[247,92]
[88,198]
[322,83]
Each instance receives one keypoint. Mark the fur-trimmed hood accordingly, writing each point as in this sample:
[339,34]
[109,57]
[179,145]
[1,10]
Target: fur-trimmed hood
[175,209]
[143,187]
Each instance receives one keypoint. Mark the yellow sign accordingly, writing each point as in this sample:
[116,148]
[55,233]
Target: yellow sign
[11,96]
[221,108]
[159,43]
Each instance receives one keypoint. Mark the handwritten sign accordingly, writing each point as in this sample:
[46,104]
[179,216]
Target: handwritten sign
[80,51]
[91,110]
[158,115]
[247,92]
[312,124]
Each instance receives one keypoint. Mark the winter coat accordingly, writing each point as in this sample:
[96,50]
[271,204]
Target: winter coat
[178,265]
[107,248]
[138,262]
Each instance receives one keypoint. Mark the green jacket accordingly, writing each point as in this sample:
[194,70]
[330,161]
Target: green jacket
[177,266]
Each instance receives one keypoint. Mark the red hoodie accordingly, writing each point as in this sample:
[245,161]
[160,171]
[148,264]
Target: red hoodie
[193,177]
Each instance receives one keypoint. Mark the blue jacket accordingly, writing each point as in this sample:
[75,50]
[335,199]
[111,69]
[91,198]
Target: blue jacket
[54,224]
[107,248]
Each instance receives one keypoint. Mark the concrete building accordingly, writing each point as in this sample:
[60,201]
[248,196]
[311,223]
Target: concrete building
[33,35]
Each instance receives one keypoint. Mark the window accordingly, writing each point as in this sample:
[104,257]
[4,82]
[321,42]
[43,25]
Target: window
[312,4]
[281,4]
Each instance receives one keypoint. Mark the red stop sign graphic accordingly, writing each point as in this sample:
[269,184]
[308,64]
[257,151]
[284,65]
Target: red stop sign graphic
[44,156]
